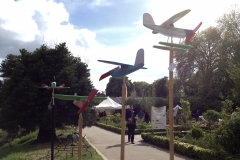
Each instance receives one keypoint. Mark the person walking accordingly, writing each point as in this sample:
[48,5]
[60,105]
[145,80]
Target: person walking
[146,117]
[131,123]
[140,116]
[177,113]
[197,115]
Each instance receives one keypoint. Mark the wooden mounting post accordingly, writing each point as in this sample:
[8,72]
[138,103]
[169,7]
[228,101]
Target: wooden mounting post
[171,142]
[80,124]
[124,95]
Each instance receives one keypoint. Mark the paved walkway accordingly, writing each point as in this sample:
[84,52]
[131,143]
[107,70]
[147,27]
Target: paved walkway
[108,144]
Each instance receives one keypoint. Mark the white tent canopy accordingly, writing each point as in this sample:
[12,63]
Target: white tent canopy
[108,104]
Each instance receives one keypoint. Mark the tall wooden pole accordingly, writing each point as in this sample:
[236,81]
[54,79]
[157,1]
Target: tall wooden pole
[124,94]
[171,142]
[52,132]
[53,122]
[80,124]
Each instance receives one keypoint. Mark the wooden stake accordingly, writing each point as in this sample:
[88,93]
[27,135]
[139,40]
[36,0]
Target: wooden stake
[171,142]
[80,124]
[124,94]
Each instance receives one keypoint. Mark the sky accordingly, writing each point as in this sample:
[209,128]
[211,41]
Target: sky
[102,30]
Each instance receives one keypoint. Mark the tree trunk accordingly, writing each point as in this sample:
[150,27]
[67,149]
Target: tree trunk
[44,134]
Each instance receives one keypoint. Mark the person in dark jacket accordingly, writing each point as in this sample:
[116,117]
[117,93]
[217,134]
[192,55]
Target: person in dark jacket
[131,123]
[146,117]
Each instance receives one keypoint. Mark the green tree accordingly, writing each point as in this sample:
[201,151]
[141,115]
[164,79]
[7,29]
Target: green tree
[208,72]
[142,88]
[24,105]
[229,25]
[211,116]
[198,68]
[114,87]
[228,137]
[161,88]
[186,112]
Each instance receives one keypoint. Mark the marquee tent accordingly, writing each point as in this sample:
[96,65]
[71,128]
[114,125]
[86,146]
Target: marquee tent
[108,104]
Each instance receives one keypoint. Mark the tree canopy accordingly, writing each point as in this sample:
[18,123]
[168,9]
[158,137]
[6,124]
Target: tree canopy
[160,86]
[24,104]
[208,73]
[142,89]
[114,87]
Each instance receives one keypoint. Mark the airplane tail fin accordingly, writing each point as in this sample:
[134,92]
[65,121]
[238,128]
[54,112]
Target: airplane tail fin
[147,19]
[193,33]
[139,57]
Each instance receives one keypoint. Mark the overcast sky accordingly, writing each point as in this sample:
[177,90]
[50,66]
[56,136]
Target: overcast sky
[102,29]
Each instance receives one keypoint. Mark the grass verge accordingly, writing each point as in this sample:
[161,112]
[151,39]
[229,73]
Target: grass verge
[28,148]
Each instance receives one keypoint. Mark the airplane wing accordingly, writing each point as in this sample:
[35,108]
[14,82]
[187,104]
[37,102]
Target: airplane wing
[175,18]
[76,98]
[168,48]
[116,63]
[49,87]
[183,46]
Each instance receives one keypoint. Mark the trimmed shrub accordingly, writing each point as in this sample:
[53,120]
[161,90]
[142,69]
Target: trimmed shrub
[228,136]
[197,132]
[185,148]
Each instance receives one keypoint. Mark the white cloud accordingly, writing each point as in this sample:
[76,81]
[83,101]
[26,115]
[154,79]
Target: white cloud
[47,21]
[157,61]
[28,24]
[73,5]
[204,11]
[97,3]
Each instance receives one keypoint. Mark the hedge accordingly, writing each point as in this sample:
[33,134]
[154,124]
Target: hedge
[185,148]
[138,131]
[158,138]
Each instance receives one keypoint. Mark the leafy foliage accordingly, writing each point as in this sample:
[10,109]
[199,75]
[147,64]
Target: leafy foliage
[186,112]
[228,137]
[161,89]
[143,89]
[23,104]
[197,132]
[114,87]
[211,116]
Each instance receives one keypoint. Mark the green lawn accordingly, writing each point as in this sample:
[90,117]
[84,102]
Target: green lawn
[27,148]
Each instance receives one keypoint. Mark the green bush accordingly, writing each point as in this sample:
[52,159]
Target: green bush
[185,148]
[116,118]
[159,101]
[211,116]
[228,136]
[197,132]
[143,126]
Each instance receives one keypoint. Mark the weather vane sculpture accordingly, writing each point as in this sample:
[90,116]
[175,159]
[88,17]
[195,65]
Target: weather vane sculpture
[167,28]
[52,107]
[78,101]
[122,71]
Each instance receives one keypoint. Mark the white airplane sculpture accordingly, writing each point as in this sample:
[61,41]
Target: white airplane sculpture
[168,29]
